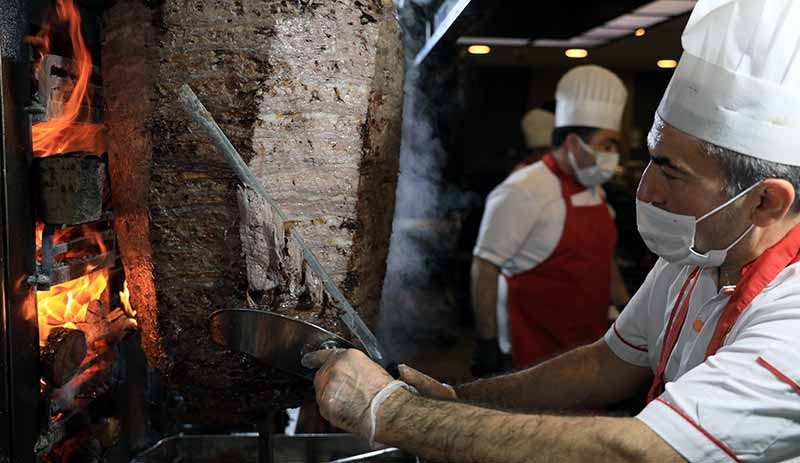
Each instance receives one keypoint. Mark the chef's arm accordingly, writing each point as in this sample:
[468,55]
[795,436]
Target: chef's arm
[584,378]
[348,386]
[483,295]
[619,293]
[451,431]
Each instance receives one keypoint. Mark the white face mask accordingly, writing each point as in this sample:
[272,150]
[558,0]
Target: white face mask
[671,236]
[600,172]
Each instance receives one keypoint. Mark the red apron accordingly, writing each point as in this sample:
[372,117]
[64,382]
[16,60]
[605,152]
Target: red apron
[755,277]
[563,301]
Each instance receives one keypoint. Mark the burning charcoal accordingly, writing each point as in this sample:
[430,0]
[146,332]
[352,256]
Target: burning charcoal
[97,374]
[71,188]
[119,323]
[62,355]
[80,448]
[96,312]
[96,324]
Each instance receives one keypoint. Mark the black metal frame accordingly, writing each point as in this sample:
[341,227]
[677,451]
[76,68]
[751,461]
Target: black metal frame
[19,338]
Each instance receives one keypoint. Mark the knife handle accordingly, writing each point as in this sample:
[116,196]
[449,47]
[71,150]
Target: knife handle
[391,367]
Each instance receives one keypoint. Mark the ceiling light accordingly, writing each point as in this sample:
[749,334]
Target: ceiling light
[640,32]
[632,21]
[666,7]
[496,41]
[573,42]
[576,53]
[666,63]
[479,49]
[606,33]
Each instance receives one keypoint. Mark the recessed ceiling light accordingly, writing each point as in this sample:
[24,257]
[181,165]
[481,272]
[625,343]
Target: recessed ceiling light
[576,53]
[573,42]
[606,32]
[493,41]
[640,32]
[666,7]
[666,63]
[632,21]
[479,49]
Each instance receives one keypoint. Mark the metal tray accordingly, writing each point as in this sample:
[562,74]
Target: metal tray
[243,448]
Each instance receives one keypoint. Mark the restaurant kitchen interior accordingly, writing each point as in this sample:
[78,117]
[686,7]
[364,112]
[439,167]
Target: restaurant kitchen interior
[380,127]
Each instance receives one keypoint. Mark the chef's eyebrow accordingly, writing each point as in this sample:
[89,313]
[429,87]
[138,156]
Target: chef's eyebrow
[663,161]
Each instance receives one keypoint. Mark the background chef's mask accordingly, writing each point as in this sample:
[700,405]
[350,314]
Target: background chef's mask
[602,170]
[671,236]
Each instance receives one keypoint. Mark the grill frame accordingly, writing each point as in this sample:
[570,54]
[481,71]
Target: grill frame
[19,339]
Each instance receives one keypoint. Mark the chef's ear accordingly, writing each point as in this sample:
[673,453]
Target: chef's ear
[775,202]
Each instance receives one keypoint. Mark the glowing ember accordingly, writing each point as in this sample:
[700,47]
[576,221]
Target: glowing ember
[39,234]
[66,304]
[69,131]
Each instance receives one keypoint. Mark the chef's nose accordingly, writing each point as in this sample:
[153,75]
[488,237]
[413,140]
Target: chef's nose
[650,189]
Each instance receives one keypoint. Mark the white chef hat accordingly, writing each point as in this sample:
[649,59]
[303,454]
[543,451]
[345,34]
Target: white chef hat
[738,81]
[537,126]
[590,96]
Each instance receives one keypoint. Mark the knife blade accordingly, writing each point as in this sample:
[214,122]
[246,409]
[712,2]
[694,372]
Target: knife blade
[346,312]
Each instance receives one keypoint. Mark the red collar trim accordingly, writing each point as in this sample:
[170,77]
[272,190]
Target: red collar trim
[572,184]
[755,277]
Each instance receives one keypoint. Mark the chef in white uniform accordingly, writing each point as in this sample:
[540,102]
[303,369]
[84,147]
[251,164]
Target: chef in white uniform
[537,128]
[543,270]
[715,328]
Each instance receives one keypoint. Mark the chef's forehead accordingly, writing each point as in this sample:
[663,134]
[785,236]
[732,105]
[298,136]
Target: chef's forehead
[680,148]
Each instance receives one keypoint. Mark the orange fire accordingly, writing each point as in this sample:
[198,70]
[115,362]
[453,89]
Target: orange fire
[39,235]
[65,305]
[69,131]
[125,297]
[62,235]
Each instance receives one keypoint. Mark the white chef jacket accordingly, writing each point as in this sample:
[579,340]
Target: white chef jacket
[522,226]
[743,403]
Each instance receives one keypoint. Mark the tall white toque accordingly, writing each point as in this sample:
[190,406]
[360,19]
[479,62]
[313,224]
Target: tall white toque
[590,96]
[738,82]
[537,126]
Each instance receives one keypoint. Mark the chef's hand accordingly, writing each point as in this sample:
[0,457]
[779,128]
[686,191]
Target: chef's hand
[426,385]
[345,384]
[487,360]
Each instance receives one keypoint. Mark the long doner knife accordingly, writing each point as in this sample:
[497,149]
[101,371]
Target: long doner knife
[347,313]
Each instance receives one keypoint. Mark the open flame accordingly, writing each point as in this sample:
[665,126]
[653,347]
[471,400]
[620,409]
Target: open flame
[71,130]
[63,235]
[66,304]
[125,297]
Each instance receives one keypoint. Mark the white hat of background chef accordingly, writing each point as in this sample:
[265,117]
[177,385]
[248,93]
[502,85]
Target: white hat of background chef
[590,96]
[738,81]
[537,126]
